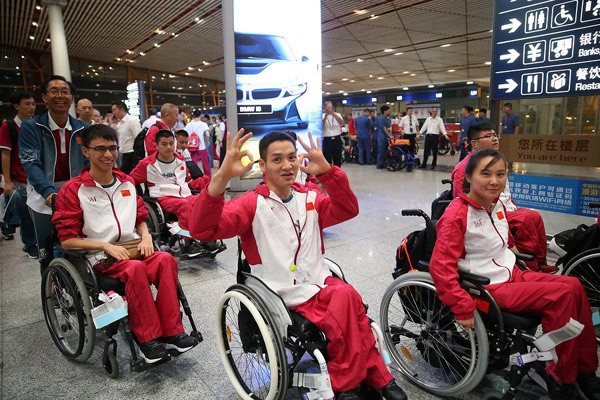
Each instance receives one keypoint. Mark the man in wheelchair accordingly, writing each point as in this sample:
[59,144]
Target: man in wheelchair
[280,226]
[168,180]
[526,225]
[97,212]
[473,236]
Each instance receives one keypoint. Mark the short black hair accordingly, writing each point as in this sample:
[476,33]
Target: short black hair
[152,111]
[474,160]
[16,97]
[98,131]
[477,128]
[163,133]
[468,108]
[208,116]
[120,105]
[57,78]
[292,134]
[271,137]
[509,105]
[384,109]
[483,110]
[366,110]
[197,113]
[182,132]
[409,108]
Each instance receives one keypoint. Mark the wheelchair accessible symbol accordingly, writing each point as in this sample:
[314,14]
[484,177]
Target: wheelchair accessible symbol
[564,14]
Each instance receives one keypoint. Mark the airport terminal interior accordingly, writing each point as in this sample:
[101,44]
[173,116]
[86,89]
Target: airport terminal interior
[358,74]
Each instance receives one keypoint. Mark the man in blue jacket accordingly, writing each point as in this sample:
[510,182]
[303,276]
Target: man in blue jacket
[363,125]
[466,121]
[50,150]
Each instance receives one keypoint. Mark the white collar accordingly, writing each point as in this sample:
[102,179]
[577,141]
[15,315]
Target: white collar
[125,118]
[53,126]
[18,121]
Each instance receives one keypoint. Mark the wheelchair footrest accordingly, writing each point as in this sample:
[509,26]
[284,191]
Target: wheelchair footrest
[140,365]
[523,359]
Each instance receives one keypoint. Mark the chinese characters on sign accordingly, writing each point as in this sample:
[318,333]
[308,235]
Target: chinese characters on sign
[545,48]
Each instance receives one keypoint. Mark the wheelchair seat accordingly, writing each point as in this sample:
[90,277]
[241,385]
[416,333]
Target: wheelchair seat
[302,327]
[520,322]
[107,284]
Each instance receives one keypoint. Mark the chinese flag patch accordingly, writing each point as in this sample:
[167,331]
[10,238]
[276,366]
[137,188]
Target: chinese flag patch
[78,140]
[310,206]
[182,167]
[125,193]
[500,215]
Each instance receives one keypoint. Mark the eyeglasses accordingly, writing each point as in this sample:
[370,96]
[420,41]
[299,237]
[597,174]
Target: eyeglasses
[102,149]
[488,136]
[62,92]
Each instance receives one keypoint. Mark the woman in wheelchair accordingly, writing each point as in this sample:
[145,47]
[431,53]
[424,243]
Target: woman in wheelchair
[473,236]
[280,227]
[168,180]
[100,209]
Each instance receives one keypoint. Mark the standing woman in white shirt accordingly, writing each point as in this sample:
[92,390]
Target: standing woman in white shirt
[432,128]
[332,134]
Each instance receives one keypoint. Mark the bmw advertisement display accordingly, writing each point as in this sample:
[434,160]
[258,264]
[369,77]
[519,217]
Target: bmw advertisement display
[277,67]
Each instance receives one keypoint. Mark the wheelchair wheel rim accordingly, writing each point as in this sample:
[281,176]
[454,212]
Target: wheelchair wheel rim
[430,349]
[255,374]
[63,314]
[586,268]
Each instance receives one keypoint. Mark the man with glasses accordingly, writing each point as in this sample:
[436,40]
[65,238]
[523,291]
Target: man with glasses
[50,150]
[526,226]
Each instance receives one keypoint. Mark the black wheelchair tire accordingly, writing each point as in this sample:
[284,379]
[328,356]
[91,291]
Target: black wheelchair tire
[111,365]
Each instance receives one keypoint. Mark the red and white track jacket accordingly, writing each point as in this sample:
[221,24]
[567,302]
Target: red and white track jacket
[458,178]
[270,239]
[148,172]
[470,239]
[85,210]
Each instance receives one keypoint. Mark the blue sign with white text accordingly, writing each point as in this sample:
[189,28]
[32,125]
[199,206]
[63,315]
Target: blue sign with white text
[569,196]
[545,48]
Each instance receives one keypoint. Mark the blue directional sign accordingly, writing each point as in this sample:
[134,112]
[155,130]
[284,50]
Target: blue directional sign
[545,48]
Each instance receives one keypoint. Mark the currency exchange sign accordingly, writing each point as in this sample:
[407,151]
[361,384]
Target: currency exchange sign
[545,48]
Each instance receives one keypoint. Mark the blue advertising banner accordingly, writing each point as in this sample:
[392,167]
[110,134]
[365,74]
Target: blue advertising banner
[569,196]
[545,48]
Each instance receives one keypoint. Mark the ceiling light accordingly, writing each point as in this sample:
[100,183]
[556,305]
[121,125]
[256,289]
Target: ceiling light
[186,74]
[328,93]
[451,70]
[200,69]
[191,68]
[413,74]
[5,56]
[368,92]
[117,58]
[370,76]
[399,54]
[430,86]
[373,16]
[344,79]
[159,31]
[199,21]
[469,82]
[446,45]
[23,57]
[173,34]
[156,45]
[111,68]
[352,81]
[129,60]
[142,53]
[388,50]
[345,93]
[171,76]
[328,66]
[359,60]
[38,8]
[34,23]
[362,90]
[488,63]
[359,11]
[32,37]
[405,88]
[491,30]
[406,72]
[48,40]
[128,51]
[328,83]
[380,78]
[340,91]
[205,63]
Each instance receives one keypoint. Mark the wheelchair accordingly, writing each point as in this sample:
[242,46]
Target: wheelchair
[160,225]
[268,349]
[436,354]
[69,291]
[400,155]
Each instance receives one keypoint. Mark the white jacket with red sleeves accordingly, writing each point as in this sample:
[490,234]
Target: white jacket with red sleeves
[148,172]
[469,239]
[270,239]
[85,210]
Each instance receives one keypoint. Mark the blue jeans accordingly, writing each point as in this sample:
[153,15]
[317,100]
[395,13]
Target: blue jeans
[364,150]
[17,214]
[211,156]
[382,150]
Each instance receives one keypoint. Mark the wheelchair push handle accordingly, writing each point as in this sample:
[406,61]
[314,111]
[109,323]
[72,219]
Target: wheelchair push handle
[417,213]
[447,181]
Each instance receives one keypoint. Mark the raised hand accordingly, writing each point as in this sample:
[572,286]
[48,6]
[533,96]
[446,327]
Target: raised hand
[232,163]
[317,165]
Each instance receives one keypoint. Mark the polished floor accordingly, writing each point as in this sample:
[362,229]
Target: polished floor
[31,367]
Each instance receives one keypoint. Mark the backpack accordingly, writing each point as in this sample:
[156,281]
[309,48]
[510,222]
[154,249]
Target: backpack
[415,247]
[438,206]
[14,136]
[194,142]
[139,145]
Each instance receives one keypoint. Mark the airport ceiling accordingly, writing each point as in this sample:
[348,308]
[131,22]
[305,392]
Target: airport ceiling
[400,42]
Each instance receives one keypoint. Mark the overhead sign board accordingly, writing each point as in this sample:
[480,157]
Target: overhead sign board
[545,48]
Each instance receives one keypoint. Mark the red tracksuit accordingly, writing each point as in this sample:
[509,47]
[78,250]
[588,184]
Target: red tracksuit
[85,210]
[468,238]
[526,225]
[290,261]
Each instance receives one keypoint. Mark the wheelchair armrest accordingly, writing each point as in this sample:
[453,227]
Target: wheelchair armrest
[524,257]
[474,278]
[447,181]
[444,202]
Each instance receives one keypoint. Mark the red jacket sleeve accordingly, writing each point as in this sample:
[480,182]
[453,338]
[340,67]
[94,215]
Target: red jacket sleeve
[341,204]
[449,247]
[140,173]
[5,142]
[458,177]
[199,183]
[68,217]
[141,214]
[212,218]
[149,141]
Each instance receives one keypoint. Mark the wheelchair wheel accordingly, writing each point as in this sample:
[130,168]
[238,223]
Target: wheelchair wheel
[444,146]
[153,221]
[251,349]
[430,348]
[67,310]
[586,268]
